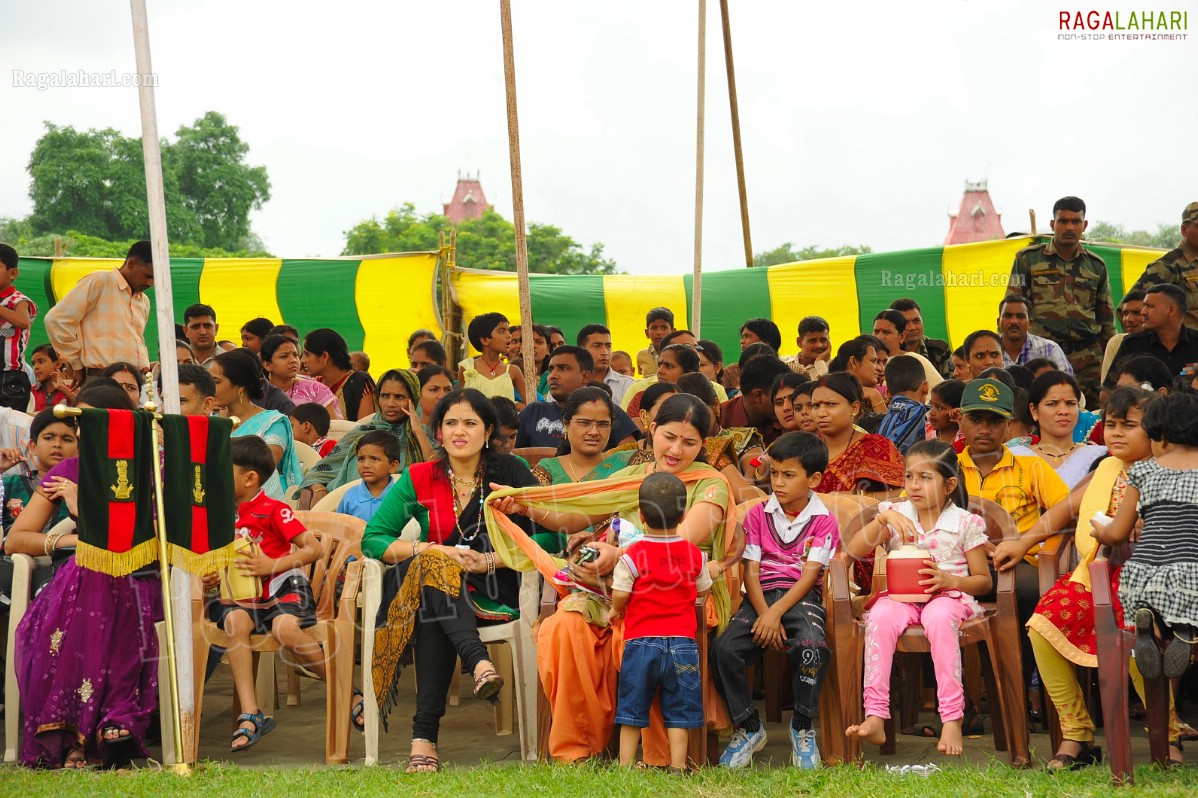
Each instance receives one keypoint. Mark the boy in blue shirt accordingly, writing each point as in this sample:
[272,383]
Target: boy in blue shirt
[378,458]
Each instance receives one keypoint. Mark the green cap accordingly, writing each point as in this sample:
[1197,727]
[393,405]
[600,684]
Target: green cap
[988,395]
[1190,214]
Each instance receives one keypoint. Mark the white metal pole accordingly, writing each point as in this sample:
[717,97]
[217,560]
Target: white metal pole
[178,613]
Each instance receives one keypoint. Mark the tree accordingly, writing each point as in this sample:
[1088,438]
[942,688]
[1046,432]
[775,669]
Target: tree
[94,183]
[485,243]
[1165,237]
[787,254]
[216,184]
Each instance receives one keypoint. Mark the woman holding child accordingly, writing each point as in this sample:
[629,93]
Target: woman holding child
[578,652]
[450,581]
[87,652]
[398,400]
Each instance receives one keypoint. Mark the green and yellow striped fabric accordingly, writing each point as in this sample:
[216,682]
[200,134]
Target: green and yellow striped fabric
[958,289]
[373,302]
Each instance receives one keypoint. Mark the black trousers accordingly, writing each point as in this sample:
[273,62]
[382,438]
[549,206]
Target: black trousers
[446,628]
[806,650]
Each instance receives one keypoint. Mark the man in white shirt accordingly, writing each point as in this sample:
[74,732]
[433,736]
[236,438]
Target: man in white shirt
[596,339]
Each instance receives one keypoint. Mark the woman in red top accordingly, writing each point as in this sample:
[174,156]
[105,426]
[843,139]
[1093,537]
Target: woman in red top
[857,461]
[424,603]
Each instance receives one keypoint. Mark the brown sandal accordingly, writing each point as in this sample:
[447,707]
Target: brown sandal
[418,761]
[487,685]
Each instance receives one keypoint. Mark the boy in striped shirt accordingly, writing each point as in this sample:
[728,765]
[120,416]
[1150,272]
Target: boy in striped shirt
[789,540]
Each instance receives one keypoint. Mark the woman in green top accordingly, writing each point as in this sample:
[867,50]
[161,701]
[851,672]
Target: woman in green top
[450,581]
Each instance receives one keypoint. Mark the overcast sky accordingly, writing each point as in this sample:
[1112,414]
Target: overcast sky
[861,120]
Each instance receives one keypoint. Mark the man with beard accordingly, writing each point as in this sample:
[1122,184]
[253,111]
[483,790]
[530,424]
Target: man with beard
[1018,345]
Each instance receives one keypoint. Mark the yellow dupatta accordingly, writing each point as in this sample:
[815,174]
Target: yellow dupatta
[1096,499]
[615,495]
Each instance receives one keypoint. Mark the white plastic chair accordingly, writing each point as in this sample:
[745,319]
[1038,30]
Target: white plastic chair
[307,455]
[517,635]
[339,426]
[23,566]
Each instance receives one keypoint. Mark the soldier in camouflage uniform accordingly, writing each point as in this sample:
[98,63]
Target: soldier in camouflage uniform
[1070,294]
[934,350]
[1179,266]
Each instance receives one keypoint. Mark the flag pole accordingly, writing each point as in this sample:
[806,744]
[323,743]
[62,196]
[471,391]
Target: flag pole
[736,147]
[513,140]
[697,284]
[178,657]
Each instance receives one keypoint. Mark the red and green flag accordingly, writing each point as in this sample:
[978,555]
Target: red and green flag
[198,501]
[116,491]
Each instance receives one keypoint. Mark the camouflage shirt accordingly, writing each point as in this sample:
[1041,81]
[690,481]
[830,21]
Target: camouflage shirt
[1179,267]
[1071,300]
[939,354]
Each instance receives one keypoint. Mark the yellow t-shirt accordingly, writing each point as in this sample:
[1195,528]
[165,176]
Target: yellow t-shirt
[1023,485]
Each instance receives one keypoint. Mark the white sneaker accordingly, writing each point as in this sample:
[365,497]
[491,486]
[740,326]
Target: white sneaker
[742,746]
[806,752]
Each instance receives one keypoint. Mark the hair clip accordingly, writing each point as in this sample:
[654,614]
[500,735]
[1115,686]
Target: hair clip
[1147,386]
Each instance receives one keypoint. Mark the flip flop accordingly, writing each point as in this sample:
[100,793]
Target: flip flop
[1089,755]
[111,735]
[262,727]
[926,730]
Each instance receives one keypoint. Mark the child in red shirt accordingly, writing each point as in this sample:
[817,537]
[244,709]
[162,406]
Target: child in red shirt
[286,606]
[658,580]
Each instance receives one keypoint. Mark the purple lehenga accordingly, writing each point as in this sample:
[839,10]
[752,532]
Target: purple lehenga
[86,659]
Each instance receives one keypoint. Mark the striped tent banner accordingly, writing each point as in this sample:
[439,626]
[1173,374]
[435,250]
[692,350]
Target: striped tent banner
[377,301]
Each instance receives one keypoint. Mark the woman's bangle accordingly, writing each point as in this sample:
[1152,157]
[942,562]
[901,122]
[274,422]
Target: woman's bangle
[51,542]
[490,563]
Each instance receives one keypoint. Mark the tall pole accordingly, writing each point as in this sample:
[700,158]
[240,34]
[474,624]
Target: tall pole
[513,141]
[181,701]
[740,160]
[697,292]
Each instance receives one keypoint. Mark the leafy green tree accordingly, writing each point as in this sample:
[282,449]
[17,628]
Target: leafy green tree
[788,254]
[216,184]
[93,183]
[485,243]
[1166,235]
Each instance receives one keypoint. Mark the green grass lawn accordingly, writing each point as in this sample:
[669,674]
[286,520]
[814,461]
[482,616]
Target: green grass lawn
[227,781]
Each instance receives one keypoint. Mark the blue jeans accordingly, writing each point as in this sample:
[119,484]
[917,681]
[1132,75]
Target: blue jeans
[666,664]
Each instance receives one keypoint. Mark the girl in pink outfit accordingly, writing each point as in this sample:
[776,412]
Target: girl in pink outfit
[933,518]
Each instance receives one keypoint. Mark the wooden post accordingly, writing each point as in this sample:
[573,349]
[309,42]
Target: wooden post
[1032,213]
[697,292]
[513,140]
[177,614]
[736,146]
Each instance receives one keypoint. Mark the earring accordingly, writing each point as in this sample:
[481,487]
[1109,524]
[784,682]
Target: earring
[487,445]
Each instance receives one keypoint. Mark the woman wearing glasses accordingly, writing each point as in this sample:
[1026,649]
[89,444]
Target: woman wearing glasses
[588,423]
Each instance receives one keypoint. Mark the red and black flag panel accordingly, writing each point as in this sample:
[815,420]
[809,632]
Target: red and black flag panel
[198,501]
[116,491]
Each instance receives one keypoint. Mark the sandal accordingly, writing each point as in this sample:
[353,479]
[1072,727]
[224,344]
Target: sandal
[487,685]
[424,763]
[75,760]
[1146,651]
[1089,755]
[1176,659]
[974,725]
[1179,760]
[356,715]
[1187,733]
[926,730]
[114,735]
[262,727]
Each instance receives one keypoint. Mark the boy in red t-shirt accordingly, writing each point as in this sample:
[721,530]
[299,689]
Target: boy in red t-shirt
[286,607]
[658,580]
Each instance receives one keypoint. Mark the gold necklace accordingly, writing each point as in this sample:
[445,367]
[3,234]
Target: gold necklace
[570,468]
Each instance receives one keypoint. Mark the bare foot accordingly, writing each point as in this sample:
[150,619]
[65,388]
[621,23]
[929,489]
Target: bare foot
[873,730]
[75,760]
[951,742]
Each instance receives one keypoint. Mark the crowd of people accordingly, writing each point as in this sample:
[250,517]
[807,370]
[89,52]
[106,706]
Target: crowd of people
[659,478]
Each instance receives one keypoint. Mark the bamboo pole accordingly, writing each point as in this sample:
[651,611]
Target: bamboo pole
[513,139]
[736,145]
[697,292]
[168,365]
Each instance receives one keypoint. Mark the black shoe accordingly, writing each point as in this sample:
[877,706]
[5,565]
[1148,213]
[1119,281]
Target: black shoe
[1177,654]
[1089,755]
[1147,653]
